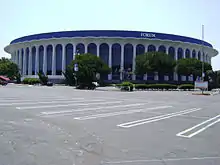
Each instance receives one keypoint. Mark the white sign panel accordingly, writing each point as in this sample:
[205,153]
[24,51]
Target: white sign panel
[201,84]
[76,69]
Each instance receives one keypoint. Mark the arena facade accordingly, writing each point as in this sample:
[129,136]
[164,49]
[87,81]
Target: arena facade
[50,53]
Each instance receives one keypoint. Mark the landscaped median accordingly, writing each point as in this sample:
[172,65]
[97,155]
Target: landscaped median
[128,86]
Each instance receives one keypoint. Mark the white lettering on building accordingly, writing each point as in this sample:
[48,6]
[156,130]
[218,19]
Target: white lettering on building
[150,35]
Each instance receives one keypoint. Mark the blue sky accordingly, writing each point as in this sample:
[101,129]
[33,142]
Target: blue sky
[184,17]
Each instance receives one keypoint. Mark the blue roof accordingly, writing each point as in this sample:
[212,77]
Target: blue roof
[110,33]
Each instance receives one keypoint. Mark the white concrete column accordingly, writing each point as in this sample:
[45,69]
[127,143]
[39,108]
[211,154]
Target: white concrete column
[134,62]
[17,58]
[45,60]
[184,52]
[37,60]
[176,53]
[109,61]
[146,48]
[175,75]
[64,57]
[30,62]
[167,49]
[183,78]
[24,62]
[54,60]
[191,53]
[201,56]
[13,57]
[157,47]
[86,47]
[98,47]
[122,62]
[20,61]
[166,78]
[197,57]
[74,51]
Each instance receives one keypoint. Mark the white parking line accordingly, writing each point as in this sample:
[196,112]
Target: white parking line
[99,102]
[216,120]
[162,160]
[95,108]
[156,118]
[62,105]
[33,102]
[118,113]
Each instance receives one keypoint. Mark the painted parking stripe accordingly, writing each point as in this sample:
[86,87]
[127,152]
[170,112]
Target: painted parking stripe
[137,161]
[33,102]
[95,108]
[213,121]
[102,115]
[156,118]
[63,105]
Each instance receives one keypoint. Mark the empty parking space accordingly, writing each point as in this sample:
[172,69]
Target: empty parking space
[132,128]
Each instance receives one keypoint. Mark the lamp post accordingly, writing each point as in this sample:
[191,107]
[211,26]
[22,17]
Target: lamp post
[76,68]
[203,53]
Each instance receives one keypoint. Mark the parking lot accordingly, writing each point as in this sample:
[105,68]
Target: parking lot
[63,126]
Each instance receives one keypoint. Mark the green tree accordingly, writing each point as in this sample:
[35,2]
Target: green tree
[154,62]
[8,68]
[191,66]
[214,78]
[88,66]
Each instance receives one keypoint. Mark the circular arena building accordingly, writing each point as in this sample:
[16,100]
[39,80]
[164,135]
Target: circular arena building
[50,53]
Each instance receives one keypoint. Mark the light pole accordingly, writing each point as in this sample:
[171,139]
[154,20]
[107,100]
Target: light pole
[203,53]
[76,68]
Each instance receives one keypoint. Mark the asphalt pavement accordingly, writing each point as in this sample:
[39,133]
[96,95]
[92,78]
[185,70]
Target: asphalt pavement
[63,126]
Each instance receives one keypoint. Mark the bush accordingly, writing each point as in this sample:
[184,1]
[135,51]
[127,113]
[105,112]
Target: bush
[141,86]
[43,79]
[162,86]
[186,86]
[89,86]
[31,81]
[126,86]
[155,86]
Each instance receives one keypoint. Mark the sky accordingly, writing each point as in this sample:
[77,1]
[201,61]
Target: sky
[182,17]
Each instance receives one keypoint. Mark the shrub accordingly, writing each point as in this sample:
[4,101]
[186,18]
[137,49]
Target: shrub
[186,86]
[162,86]
[126,86]
[89,86]
[31,81]
[141,86]
[155,86]
[43,79]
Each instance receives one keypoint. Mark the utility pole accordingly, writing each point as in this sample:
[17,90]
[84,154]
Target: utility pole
[203,53]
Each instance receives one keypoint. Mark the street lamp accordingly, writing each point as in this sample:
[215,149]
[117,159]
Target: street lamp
[76,68]
[203,53]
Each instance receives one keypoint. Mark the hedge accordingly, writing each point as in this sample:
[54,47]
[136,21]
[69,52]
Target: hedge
[186,86]
[126,86]
[155,86]
[31,81]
